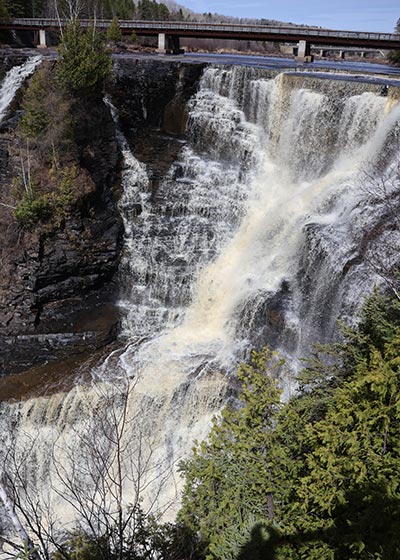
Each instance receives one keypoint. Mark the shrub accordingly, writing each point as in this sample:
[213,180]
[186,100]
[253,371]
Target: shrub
[32,208]
[394,57]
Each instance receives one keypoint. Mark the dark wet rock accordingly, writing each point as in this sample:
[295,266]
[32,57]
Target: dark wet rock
[151,97]
[152,93]
[13,57]
[58,284]
[81,325]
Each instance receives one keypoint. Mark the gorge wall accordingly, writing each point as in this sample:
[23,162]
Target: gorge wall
[258,208]
[58,288]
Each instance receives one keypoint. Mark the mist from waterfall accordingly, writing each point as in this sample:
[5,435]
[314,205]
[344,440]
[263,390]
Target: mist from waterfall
[250,239]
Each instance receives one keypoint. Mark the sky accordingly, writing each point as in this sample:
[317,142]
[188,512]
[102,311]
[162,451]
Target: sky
[357,15]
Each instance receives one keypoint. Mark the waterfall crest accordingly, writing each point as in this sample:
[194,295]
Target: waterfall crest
[249,239]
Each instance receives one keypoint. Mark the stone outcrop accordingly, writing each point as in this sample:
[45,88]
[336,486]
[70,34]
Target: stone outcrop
[12,57]
[58,288]
[151,97]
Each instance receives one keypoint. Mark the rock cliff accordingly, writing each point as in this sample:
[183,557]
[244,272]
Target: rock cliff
[59,286]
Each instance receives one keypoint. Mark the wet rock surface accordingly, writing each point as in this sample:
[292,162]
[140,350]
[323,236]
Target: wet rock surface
[12,57]
[151,97]
[58,288]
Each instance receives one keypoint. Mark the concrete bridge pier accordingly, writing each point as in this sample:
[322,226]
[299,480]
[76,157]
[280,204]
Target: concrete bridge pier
[304,52]
[42,39]
[169,44]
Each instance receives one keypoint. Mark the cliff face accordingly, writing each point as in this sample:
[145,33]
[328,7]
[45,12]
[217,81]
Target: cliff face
[151,97]
[59,286]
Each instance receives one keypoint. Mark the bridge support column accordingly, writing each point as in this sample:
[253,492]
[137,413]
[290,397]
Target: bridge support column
[169,44]
[42,39]
[304,52]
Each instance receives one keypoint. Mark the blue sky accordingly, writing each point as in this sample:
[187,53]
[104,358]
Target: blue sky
[360,15]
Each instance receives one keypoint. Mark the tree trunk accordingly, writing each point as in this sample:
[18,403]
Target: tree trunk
[10,510]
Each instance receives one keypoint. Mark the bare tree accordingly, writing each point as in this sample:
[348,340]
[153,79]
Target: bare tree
[381,185]
[18,526]
[100,470]
[116,467]
[33,509]
[72,9]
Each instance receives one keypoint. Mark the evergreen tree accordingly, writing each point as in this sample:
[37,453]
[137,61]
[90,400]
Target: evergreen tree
[163,12]
[228,480]
[150,10]
[355,458]
[83,62]
[36,118]
[145,10]
[3,9]
[25,8]
[328,459]
[114,33]
[123,9]
[18,8]
[394,57]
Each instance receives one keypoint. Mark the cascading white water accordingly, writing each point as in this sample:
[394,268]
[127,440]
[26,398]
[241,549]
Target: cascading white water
[303,173]
[13,81]
[248,240]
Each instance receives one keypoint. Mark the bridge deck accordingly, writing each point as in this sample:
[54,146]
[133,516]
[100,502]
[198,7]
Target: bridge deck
[289,34]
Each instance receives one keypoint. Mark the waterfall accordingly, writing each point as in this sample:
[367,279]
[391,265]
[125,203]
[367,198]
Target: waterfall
[13,81]
[259,233]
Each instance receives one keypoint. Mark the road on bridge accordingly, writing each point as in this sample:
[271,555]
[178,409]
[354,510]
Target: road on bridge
[170,32]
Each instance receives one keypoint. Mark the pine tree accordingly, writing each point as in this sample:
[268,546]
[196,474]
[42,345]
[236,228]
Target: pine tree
[228,484]
[83,62]
[3,9]
[18,8]
[163,12]
[145,10]
[114,33]
[329,458]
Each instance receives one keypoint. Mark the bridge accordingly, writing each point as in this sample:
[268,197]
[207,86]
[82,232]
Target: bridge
[342,52]
[169,33]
